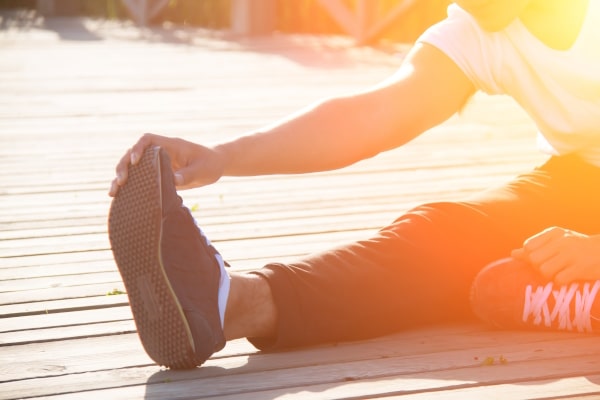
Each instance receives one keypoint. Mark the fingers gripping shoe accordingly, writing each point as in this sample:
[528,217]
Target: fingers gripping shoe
[510,294]
[172,274]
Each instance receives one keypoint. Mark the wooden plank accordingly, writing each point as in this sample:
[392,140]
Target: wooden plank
[82,279]
[58,293]
[56,258]
[57,269]
[64,319]
[437,389]
[330,379]
[428,343]
[449,179]
[62,333]
[38,307]
[576,387]
[95,350]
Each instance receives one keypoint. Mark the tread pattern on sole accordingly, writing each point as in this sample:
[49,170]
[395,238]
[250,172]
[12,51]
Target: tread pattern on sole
[134,233]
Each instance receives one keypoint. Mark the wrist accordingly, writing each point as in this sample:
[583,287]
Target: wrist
[227,154]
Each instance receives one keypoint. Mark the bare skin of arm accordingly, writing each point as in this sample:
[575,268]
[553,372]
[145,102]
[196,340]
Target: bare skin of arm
[427,89]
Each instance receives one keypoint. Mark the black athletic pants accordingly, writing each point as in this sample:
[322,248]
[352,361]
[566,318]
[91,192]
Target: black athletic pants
[419,269]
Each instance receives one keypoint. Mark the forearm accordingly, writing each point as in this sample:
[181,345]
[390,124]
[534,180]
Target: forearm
[426,90]
[328,135]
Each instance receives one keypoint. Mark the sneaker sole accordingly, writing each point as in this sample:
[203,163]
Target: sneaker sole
[134,228]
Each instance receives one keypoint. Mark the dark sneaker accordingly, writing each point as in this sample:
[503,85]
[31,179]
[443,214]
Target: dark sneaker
[172,274]
[510,294]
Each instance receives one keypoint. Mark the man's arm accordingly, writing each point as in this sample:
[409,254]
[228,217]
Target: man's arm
[426,90]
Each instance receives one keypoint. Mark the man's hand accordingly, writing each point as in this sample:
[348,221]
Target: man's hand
[562,255]
[193,165]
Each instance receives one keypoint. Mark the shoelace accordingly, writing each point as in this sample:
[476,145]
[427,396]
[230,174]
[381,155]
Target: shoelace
[536,305]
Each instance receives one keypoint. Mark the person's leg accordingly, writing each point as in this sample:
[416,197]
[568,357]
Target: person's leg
[417,270]
[251,310]
[420,268]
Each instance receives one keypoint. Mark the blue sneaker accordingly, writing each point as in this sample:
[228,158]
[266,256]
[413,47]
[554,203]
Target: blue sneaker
[175,279]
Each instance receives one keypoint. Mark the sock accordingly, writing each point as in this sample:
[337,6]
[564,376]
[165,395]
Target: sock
[223,289]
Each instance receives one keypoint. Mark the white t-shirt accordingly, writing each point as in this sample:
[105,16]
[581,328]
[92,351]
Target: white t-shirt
[560,90]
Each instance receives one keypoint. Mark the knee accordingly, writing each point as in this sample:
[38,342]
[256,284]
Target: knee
[444,219]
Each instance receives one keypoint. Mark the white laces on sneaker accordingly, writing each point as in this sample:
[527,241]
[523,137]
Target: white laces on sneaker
[536,305]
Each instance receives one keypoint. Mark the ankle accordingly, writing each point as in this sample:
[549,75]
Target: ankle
[250,308]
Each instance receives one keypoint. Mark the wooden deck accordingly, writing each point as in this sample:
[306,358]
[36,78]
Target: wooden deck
[74,94]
